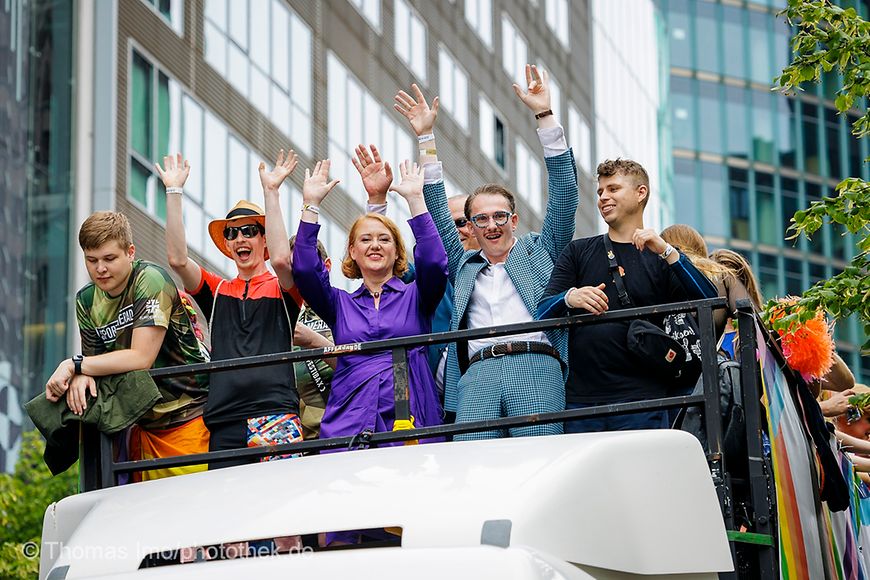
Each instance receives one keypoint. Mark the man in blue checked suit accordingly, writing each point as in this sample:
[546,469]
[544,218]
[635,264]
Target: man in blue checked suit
[502,282]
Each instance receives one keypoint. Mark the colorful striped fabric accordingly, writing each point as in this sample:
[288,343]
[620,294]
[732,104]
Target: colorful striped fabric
[806,543]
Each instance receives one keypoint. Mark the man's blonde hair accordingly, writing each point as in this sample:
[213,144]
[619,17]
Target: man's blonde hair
[105,226]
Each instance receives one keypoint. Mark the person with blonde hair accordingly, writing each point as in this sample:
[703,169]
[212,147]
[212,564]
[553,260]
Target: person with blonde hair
[361,396]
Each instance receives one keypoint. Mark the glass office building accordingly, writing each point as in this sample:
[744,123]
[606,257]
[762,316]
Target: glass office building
[743,158]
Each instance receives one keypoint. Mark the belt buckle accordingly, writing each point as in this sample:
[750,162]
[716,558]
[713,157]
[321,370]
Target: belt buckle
[492,352]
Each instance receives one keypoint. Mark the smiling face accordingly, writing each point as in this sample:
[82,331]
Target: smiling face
[620,199]
[373,248]
[495,240]
[248,253]
[109,266]
[466,232]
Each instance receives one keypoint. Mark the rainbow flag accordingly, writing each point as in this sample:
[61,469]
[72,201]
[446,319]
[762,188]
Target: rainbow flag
[806,543]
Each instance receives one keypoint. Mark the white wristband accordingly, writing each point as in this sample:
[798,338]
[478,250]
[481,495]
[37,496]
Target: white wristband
[425,138]
[567,295]
[668,250]
[310,207]
[174,190]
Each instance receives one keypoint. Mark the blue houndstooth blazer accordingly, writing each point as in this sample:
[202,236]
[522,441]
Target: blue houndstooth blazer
[529,264]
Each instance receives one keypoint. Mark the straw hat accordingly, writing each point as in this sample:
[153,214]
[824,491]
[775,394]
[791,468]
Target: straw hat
[243,209]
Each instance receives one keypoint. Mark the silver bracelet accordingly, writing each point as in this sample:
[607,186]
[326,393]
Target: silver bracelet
[174,191]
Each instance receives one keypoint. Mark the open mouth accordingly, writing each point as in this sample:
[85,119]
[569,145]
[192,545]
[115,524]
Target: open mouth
[243,253]
[492,236]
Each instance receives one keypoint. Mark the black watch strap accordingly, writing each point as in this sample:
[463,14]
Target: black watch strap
[77,363]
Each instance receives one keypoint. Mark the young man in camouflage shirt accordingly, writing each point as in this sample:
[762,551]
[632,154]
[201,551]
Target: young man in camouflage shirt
[131,317]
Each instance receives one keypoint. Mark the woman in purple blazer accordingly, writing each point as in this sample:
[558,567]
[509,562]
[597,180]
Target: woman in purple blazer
[382,307]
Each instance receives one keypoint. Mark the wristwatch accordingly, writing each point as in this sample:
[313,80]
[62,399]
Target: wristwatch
[77,363]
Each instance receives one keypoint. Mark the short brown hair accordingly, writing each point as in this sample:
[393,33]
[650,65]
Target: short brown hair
[104,226]
[349,267]
[626,167]
[490,189]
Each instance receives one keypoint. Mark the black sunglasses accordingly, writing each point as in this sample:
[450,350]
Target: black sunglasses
[248,231]
[460,222]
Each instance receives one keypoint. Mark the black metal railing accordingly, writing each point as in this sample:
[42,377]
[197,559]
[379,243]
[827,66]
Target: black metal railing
[100,470]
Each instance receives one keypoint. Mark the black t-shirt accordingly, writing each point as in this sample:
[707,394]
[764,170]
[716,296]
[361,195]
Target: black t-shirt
[601,369]
[249,320]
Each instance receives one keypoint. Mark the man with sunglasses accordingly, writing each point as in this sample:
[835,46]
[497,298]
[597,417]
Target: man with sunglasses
[502,281]
[252,314]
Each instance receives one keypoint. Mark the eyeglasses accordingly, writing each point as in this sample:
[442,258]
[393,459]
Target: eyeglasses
[247,231]
[500,218]
[460,222]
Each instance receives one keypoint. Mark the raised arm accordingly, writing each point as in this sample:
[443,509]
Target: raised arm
[310,274]
[562,187]
[430,258]
[276,234]
[422,120]
[174,174]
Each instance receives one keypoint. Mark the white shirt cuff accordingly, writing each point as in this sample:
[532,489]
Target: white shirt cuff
[553,141]
[380,208]
[432,173]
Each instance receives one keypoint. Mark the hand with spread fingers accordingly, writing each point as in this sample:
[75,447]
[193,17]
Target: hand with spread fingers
[317,186]
[650,239]
[377,175]
[537,94]
[417,110]
[412,180]
[284,166]
[589,298]
[175,170]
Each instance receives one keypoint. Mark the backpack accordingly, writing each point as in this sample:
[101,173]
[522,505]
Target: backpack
[732,414]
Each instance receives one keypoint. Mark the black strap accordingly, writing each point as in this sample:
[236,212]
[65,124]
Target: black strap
[613,265]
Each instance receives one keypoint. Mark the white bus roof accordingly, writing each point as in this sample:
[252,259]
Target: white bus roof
[638,502]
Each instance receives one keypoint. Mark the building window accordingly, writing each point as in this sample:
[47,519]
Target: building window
[709,105]
[528,177]
[734,41]
[810,130]
[555,93]
[686,200]
[707,37]
[556,12]
[681,33]
[768,275]
[492,133]
[514,51]
[762,127]
[769,230]
[171,10]
[270,65]
[736,113]
[453,87]
[790,203]
[786,113]
[478,14]
[355,117]
[164,119]
[580,138]
[371,11]
[759,59]
[832,144]
[410,39]
[683,116]
[713,200]
[738,193]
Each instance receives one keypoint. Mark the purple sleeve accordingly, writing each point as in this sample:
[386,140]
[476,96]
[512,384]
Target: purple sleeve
[311,276]
[430,260]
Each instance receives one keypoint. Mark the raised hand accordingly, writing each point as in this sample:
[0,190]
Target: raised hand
[175,170]
[317,185]
[417,110]
[377,176]
[650,239]
[412,181]
[537,94]
[284,166]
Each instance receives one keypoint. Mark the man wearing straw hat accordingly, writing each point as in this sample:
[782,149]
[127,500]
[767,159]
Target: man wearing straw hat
[252,314]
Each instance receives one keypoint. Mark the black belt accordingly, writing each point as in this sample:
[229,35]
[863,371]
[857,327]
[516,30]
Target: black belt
[505,348]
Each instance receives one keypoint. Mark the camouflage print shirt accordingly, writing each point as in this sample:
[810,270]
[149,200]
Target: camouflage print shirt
[313,378]
[106,324]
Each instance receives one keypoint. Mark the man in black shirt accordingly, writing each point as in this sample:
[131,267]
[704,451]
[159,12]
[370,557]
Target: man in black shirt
[601,368]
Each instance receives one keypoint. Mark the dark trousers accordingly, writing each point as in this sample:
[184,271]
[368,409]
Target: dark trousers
[627,422]
[230,435]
